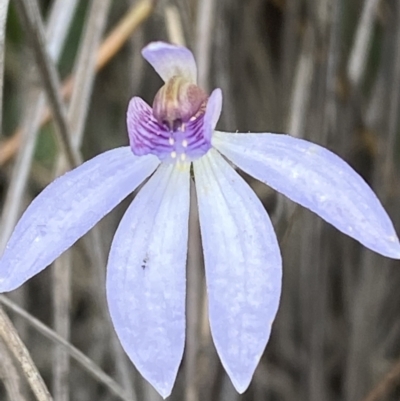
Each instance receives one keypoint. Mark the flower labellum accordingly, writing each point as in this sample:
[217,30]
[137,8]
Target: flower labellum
[146,266]
[180,125]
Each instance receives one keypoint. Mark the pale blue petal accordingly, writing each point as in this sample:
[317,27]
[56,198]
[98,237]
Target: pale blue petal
[243,266]
[171,60]
[146,276]
[68,208]
[315,178]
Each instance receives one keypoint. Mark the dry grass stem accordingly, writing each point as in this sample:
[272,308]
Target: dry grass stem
[174,25]
[47,70]
[18,349]
[362,41]
[3,19]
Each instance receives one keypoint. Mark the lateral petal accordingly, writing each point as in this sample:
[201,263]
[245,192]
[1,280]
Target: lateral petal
[171,60]
[67,208]
[243,266]
[213,112]
[317,179]
[146,276]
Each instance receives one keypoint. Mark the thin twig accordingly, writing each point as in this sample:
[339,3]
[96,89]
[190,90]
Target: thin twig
[302,86]
[9,375]
[204,32]
[85,70]
[61,289]
[362,41]
[330,109]
[290,48]
[174,25]
[29,11]
[79,357]
[17,347]
[3,19]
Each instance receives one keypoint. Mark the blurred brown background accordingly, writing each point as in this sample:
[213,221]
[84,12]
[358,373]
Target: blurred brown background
[324,70]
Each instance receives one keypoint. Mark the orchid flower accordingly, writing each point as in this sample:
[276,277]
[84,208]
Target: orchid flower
[169,141]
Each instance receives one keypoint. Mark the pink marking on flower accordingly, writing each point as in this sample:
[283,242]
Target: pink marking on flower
[181,139]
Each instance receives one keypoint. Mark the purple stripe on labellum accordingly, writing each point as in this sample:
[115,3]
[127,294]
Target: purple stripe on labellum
[182,142]
[179,126]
